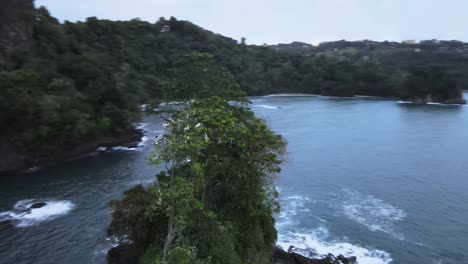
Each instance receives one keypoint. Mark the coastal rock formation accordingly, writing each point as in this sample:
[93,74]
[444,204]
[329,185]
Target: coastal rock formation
[124,255]
[38,205]
[455,101]
[282,257]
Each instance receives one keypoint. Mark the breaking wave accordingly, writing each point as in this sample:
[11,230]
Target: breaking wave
[315,242]
[143,141]
[371,212]
[267,106]
[23,215]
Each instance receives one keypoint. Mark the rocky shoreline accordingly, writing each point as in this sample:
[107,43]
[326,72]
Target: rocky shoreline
[123,254]
[16,162]
[290,257]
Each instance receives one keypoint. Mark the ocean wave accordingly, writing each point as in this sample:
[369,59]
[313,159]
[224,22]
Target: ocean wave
[267,106]
[314,244]
[23,215]
[120,148]
[371,212]
[291,95]
[143,141]
[141,125]
[291,207]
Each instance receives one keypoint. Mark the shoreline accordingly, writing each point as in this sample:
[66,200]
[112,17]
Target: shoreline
[121,254]
[457,101]
[25,164]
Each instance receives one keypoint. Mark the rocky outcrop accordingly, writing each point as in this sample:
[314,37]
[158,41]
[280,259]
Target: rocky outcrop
[124,254]
[38,205]
[282,257]
[455,101]
[16,20]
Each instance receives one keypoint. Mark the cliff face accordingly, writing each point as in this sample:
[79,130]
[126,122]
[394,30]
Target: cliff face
[16,19]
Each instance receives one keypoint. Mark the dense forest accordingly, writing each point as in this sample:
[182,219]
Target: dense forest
[62,84]
[216,200]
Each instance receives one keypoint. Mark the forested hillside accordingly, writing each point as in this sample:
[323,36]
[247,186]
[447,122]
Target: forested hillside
[62,84]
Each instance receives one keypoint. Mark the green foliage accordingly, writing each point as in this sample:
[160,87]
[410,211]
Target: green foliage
[217,198]
[180,255]
[197,77]
[428,84]
[76,82]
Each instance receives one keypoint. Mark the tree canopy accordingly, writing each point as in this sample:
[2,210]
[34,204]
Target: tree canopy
[68,83]
[216,199]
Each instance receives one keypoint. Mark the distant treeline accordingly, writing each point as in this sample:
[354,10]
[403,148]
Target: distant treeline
[65,83]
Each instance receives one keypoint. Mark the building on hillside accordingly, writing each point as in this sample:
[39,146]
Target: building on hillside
[165,29]
[410,42]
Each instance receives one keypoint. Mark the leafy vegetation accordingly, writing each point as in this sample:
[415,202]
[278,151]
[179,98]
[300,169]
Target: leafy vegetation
[215,202]
[62,84]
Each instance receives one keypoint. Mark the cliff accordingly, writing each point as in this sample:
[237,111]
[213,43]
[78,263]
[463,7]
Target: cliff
[16,20]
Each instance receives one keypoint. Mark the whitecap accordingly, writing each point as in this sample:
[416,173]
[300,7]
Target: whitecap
[371,212]
[120,148]
[267,106]
[313,244]
[404,102]
[101,149]
[23,215]
[290,95]
[291,207]
[143,140]
[141,126]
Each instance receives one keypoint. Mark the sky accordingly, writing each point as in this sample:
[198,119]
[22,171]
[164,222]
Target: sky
[285,21]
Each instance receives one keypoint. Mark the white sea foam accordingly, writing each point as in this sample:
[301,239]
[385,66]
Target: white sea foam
[267,106]
[141,125]
[23,216]
[120,148]
[404,102]
[371,212]
[289,95]
[101,149]
[314,243]
[143,140]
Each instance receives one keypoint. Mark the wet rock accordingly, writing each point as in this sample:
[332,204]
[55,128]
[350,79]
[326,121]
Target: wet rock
[282,257]
[38,205]
[122,254]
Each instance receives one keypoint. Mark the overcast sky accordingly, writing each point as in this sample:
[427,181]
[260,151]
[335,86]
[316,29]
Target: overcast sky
[284,21]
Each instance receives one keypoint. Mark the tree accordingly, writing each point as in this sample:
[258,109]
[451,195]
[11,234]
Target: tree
[196,76]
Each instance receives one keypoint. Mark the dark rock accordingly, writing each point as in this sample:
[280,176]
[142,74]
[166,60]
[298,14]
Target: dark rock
[122,254]
[455,101]
[38,205]
[282,257]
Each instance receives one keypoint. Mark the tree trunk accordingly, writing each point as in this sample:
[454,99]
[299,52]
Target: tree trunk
[169,238]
